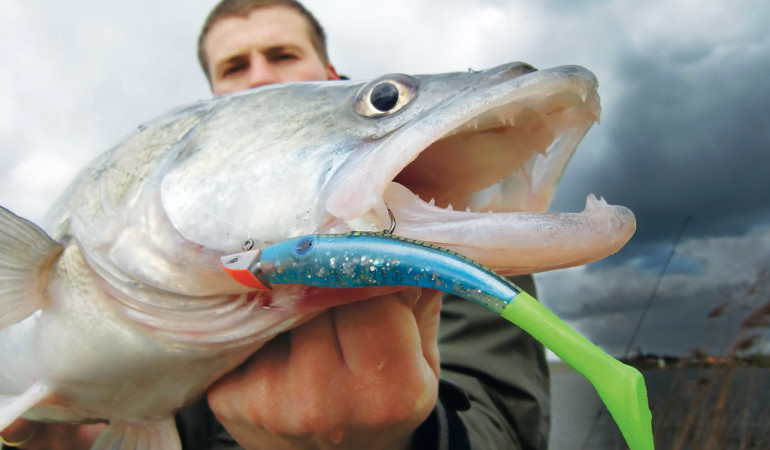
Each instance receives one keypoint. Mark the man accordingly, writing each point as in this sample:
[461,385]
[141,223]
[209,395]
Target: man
[241,47]
[364,375]
[499,373]
[302,384]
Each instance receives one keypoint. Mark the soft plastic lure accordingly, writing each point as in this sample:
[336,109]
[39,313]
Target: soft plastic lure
[381,259]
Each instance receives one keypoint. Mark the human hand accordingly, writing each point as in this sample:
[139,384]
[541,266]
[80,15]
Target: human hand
[361,375]
[33,435]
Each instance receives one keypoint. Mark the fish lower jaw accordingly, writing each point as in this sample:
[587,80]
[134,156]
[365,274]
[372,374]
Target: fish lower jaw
[518,242]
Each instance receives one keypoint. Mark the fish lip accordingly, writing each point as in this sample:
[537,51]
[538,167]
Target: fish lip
[516,242]
[568,94]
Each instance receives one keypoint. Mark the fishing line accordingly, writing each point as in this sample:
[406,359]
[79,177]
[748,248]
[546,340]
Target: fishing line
[638,326]
[654,292]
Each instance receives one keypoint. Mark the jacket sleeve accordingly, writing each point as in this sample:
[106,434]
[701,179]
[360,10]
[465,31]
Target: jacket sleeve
[494,388]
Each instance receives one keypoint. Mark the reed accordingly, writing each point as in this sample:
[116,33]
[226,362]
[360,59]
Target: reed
[724,403]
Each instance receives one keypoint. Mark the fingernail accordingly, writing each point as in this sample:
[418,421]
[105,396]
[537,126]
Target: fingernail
[336,436]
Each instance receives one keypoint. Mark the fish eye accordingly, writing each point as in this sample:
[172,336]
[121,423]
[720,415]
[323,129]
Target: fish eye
[386,95]
[304,246]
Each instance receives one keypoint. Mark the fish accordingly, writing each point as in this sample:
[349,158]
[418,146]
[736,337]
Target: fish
[116,308]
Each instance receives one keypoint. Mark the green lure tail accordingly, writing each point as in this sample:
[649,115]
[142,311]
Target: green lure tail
[381,259]
[621,387]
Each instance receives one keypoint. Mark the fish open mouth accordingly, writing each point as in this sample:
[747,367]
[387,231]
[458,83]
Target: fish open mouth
[486,164]
[478,177]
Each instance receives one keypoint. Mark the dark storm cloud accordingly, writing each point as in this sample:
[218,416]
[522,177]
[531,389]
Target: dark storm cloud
[689,136]
[675,324]
[606,304]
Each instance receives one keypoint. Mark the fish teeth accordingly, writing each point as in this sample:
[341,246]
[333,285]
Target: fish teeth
[432,202]
[450,207]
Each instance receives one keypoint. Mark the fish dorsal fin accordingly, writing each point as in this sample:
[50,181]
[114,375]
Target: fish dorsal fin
[11,408]
[26,253]
[157,435]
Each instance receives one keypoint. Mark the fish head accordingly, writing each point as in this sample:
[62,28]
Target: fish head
[469,161]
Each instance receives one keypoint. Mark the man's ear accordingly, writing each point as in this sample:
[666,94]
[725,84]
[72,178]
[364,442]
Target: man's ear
[331,73]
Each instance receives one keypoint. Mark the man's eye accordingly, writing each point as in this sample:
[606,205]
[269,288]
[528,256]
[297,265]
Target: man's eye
[234,69]
[285,57]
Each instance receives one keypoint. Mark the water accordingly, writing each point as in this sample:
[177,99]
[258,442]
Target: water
[692,409]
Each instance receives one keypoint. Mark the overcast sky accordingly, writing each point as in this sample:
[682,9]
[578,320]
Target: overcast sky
[685,130]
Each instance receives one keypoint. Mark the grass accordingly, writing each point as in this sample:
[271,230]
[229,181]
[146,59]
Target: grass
[702,402]
[725,405]
[722,407]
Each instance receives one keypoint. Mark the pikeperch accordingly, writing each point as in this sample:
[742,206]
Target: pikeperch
[120,310]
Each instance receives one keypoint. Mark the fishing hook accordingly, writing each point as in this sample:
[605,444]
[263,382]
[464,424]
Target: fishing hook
[392,227]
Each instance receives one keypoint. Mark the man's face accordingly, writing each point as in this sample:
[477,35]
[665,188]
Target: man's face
[271,45]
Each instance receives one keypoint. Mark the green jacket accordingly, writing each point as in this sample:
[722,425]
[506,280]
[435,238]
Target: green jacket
[493,392]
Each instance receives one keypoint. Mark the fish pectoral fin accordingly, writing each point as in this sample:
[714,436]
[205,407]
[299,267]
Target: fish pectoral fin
[11,408]
[149,435]
[26,254]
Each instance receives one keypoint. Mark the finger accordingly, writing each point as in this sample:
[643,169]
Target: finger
[286,384]
[383,349]
[21,432]
[378,335]
[317,378]
[315,347]
[32,435]
[410,296]
[427,313]
[232,397]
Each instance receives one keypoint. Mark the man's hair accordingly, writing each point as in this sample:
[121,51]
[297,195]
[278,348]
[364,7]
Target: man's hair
[242,8]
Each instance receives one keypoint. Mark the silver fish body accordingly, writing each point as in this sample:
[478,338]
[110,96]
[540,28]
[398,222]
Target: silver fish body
[121,311]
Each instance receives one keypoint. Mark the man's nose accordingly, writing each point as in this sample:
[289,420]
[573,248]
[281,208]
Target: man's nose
[261,72]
